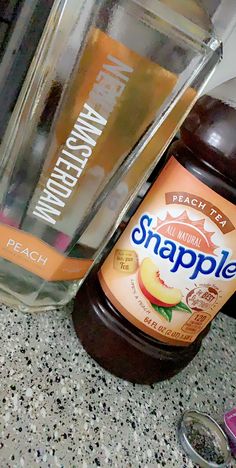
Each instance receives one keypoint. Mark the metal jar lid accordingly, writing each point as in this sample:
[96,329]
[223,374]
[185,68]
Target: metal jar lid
[203,440]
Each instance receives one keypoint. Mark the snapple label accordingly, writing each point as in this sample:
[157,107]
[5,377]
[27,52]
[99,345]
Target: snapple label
[174,266]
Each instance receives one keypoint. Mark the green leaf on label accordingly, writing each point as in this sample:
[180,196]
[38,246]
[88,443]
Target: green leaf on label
[166,312]
[182,307]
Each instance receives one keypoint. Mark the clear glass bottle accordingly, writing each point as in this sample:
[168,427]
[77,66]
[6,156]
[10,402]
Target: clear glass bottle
[106,77]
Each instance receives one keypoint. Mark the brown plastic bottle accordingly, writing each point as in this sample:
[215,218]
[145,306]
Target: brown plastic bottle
[114,338]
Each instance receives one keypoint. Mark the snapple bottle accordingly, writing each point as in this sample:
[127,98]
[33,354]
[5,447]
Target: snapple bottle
[144,313]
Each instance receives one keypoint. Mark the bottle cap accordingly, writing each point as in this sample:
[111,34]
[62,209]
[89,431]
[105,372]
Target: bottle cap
[203,440]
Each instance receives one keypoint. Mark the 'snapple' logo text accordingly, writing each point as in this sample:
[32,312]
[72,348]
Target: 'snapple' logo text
[179,256]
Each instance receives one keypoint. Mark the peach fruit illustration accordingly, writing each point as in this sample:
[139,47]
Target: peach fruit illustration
[154,288]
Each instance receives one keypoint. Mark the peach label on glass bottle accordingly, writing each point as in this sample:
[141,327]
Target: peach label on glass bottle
[37,257]
[175,264]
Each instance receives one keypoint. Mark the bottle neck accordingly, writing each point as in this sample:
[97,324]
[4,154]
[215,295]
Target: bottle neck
[203,171]
[210,133]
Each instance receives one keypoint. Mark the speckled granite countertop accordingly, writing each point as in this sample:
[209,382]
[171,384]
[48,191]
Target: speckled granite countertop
[59,409]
